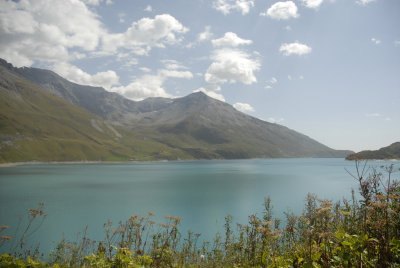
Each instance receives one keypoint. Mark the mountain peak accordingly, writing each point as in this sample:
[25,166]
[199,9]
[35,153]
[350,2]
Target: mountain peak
[5,64]
[197,95]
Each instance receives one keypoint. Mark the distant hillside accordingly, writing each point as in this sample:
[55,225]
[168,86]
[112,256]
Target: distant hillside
[192,127]
[390,152]
[36,125]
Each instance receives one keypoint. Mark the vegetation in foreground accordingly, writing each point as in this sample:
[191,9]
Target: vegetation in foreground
[362,232]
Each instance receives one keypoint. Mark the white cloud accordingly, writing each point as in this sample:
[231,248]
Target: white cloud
[312,3]
[288,28]
[101,79]
[62,31]
[46,30]
[243,107]
[143,87]
[232,65]
[206,35]
[375,41]
[151,85]
[226,6]
[145,69]
[121,17]
[294,48]
[145,34]
[97,2]
[364,2]
[175,74]
[300,77]
[230,40]
[173,64]
[282,11]
[148,8]
[271,82]
[275,120]
[397,43]
[211,91]
[378,116]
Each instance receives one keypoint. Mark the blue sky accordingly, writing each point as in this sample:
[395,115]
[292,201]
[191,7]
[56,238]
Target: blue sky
[329,69]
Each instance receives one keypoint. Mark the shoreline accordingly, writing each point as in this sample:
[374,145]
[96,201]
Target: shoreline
[15,164]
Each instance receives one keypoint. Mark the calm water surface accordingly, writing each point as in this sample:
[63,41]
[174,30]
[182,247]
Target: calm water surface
[202,192]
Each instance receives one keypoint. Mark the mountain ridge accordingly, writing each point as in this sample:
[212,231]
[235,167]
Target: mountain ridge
[196,125]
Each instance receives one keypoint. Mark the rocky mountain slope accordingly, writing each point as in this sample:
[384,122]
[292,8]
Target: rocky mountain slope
[195,126]
[36,125]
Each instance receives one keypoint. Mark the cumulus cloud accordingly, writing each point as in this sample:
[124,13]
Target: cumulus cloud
[145,34]
[375,41]
[211,91]
[148,8]
[173,65]
[227,6]
[232,65]
[145,69]
[243,107]
[59,31]
[312,3]
[143,87]
[152,85]
[105,79]
[230,40]
[46,30]
[282,11]
[206,35]
[97,2]
[294,48]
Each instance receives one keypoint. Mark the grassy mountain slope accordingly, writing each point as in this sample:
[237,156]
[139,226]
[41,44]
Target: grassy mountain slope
[195,126]
[205,126]
[390,152]
[36,125]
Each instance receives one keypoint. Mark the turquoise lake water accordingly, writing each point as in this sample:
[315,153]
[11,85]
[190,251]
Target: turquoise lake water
[202,192]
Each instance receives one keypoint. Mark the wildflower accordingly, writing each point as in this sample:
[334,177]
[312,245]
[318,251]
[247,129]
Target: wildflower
[166,226]
[5,237]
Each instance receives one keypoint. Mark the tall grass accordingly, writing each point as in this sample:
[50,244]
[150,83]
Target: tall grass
[361,232]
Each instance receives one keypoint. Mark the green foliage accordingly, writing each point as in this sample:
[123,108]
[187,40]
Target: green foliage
[361,232]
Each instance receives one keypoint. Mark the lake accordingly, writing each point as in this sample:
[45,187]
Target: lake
[202,192]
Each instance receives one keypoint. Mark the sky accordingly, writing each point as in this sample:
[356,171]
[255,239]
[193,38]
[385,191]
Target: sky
[329,69]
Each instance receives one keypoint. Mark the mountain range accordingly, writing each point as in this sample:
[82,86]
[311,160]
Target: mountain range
[45,117]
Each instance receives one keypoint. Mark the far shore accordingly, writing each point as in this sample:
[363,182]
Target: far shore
[14,164]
